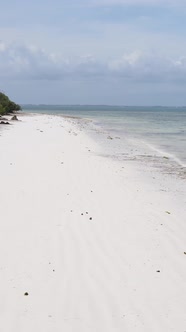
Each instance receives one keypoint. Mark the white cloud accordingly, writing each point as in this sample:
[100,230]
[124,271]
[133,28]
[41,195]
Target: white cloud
[28,62]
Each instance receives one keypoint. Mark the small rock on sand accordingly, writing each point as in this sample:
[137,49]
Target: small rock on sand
[14,118]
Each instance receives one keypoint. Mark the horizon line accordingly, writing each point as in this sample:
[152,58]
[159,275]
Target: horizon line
[108,105]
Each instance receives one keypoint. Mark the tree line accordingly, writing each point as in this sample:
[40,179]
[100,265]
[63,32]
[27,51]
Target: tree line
[7,105]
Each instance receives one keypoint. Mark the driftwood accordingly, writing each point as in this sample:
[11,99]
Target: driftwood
[5,123]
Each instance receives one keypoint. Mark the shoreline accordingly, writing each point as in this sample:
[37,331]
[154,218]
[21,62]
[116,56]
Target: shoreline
[98,244]
[135,151]
[161,133]
[138,149]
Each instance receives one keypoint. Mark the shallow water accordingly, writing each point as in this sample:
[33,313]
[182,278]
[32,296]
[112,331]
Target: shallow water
[161,130]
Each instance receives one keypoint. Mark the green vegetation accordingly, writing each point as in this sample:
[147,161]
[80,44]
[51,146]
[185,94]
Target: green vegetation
[6,105]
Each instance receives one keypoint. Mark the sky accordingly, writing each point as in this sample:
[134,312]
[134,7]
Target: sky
[115,52]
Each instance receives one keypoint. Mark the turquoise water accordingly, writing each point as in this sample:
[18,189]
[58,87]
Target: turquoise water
[161,129]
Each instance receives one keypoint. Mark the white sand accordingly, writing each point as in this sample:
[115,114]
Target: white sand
[85,274]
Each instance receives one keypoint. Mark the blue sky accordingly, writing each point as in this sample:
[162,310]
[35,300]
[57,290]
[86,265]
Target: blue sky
[125,52]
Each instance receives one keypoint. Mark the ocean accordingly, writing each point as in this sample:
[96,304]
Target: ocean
[156,135]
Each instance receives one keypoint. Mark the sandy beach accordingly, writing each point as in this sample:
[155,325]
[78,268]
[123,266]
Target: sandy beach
[87,243]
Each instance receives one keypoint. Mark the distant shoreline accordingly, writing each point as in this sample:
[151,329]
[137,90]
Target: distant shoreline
[101,105]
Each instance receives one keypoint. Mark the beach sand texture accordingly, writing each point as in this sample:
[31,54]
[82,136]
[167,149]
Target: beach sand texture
[85,244]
